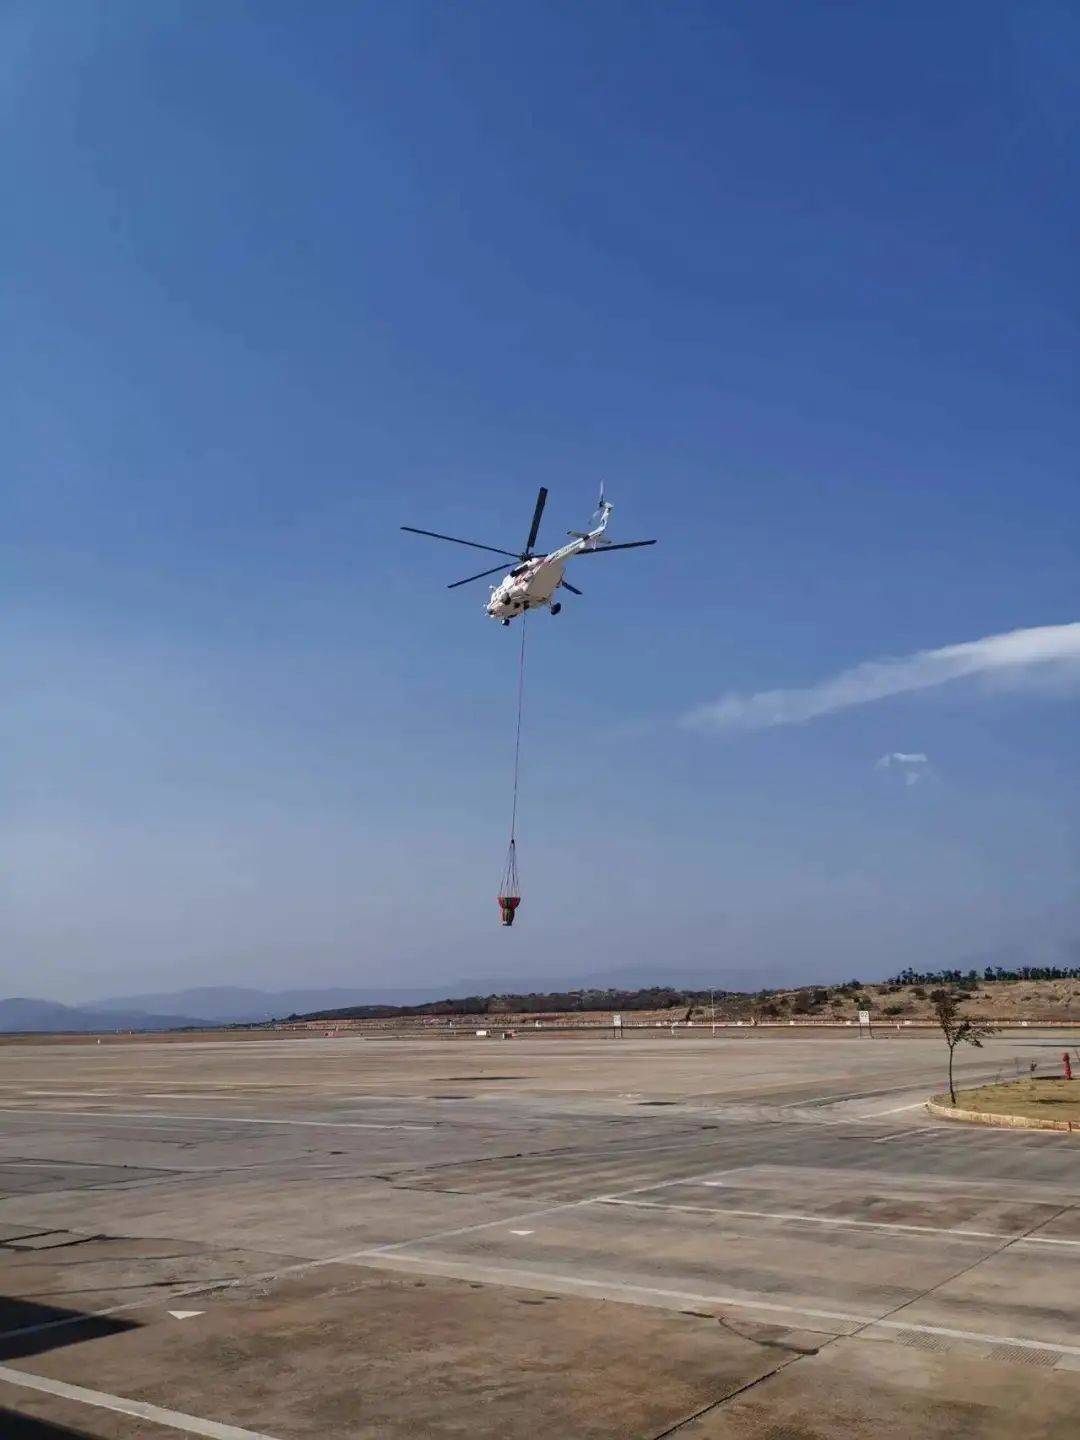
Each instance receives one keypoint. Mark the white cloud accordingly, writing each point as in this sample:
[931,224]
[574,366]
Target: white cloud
[1016,654]
[911,764]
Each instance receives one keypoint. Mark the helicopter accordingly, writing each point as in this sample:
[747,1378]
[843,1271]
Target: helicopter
[533,582]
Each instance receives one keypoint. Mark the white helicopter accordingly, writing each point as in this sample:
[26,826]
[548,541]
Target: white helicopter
[534,582]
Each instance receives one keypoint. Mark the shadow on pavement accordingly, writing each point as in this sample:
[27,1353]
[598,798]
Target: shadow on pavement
[22,1427]
[27,1328]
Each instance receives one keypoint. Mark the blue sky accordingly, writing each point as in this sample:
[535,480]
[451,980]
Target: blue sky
[797,281]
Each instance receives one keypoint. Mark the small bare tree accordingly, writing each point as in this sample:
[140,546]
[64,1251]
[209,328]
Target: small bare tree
[958,1029]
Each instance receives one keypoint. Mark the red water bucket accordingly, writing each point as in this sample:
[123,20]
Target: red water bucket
[508,904]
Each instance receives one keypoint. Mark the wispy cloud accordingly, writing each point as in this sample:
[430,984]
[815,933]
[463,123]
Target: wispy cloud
[1014,653]
[911,764]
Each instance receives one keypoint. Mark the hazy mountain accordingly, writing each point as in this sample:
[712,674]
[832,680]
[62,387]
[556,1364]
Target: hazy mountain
[234,1003]
[20,1014]
[226,1003]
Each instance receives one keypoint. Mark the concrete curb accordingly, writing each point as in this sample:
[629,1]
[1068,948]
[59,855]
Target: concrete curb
[939,1105]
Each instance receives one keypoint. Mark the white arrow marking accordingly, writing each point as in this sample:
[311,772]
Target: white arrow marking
[185,1314]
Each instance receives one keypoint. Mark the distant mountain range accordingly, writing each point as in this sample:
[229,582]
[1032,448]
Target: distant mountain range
[21,1015]
[227,1004]
[236,1004]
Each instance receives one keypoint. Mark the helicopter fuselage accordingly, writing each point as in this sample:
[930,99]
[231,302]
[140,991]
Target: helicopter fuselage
[532,584]
[534,580]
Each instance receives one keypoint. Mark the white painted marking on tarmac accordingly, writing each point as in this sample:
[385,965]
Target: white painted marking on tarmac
[919,1105]
[506,1219]
[217,1119]
[302,1266]
[186,1314]
[930,1132]
[649,1294]
[845,1095]
[191,1424]
[67,1094]
[522,1232]
[179,1095]
[844,1221]
[879,1093]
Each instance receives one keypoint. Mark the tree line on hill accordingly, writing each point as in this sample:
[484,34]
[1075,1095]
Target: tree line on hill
[991,975]
[806,1000]
[655,997]
[563,1002]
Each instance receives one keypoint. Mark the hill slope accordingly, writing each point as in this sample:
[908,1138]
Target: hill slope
[226,1003]
[19,1014]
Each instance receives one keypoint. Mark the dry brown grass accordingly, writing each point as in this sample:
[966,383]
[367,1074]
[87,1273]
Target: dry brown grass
[1036,1099]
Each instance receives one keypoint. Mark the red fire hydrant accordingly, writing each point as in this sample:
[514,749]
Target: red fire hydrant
[1067,1063]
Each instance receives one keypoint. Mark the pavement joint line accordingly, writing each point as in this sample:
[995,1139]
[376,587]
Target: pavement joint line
[908,1187]
[511,1219]
[714,1405]
[547,1280]
[174,1419]
[844,1221]
[940,1285]
[301,1266]
[631,1151]
[218,1119]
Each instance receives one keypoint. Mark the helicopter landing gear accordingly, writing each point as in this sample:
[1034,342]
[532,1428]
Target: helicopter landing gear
[556,608]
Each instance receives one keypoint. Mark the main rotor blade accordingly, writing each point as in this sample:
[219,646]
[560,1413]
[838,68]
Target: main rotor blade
[626,545]
[541,501]
[572,588]
[480,576]
[495,550]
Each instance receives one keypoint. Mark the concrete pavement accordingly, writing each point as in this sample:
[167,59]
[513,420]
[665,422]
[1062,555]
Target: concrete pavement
[740,1235]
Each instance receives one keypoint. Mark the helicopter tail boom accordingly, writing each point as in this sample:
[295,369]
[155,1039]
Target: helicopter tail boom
[601,516]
